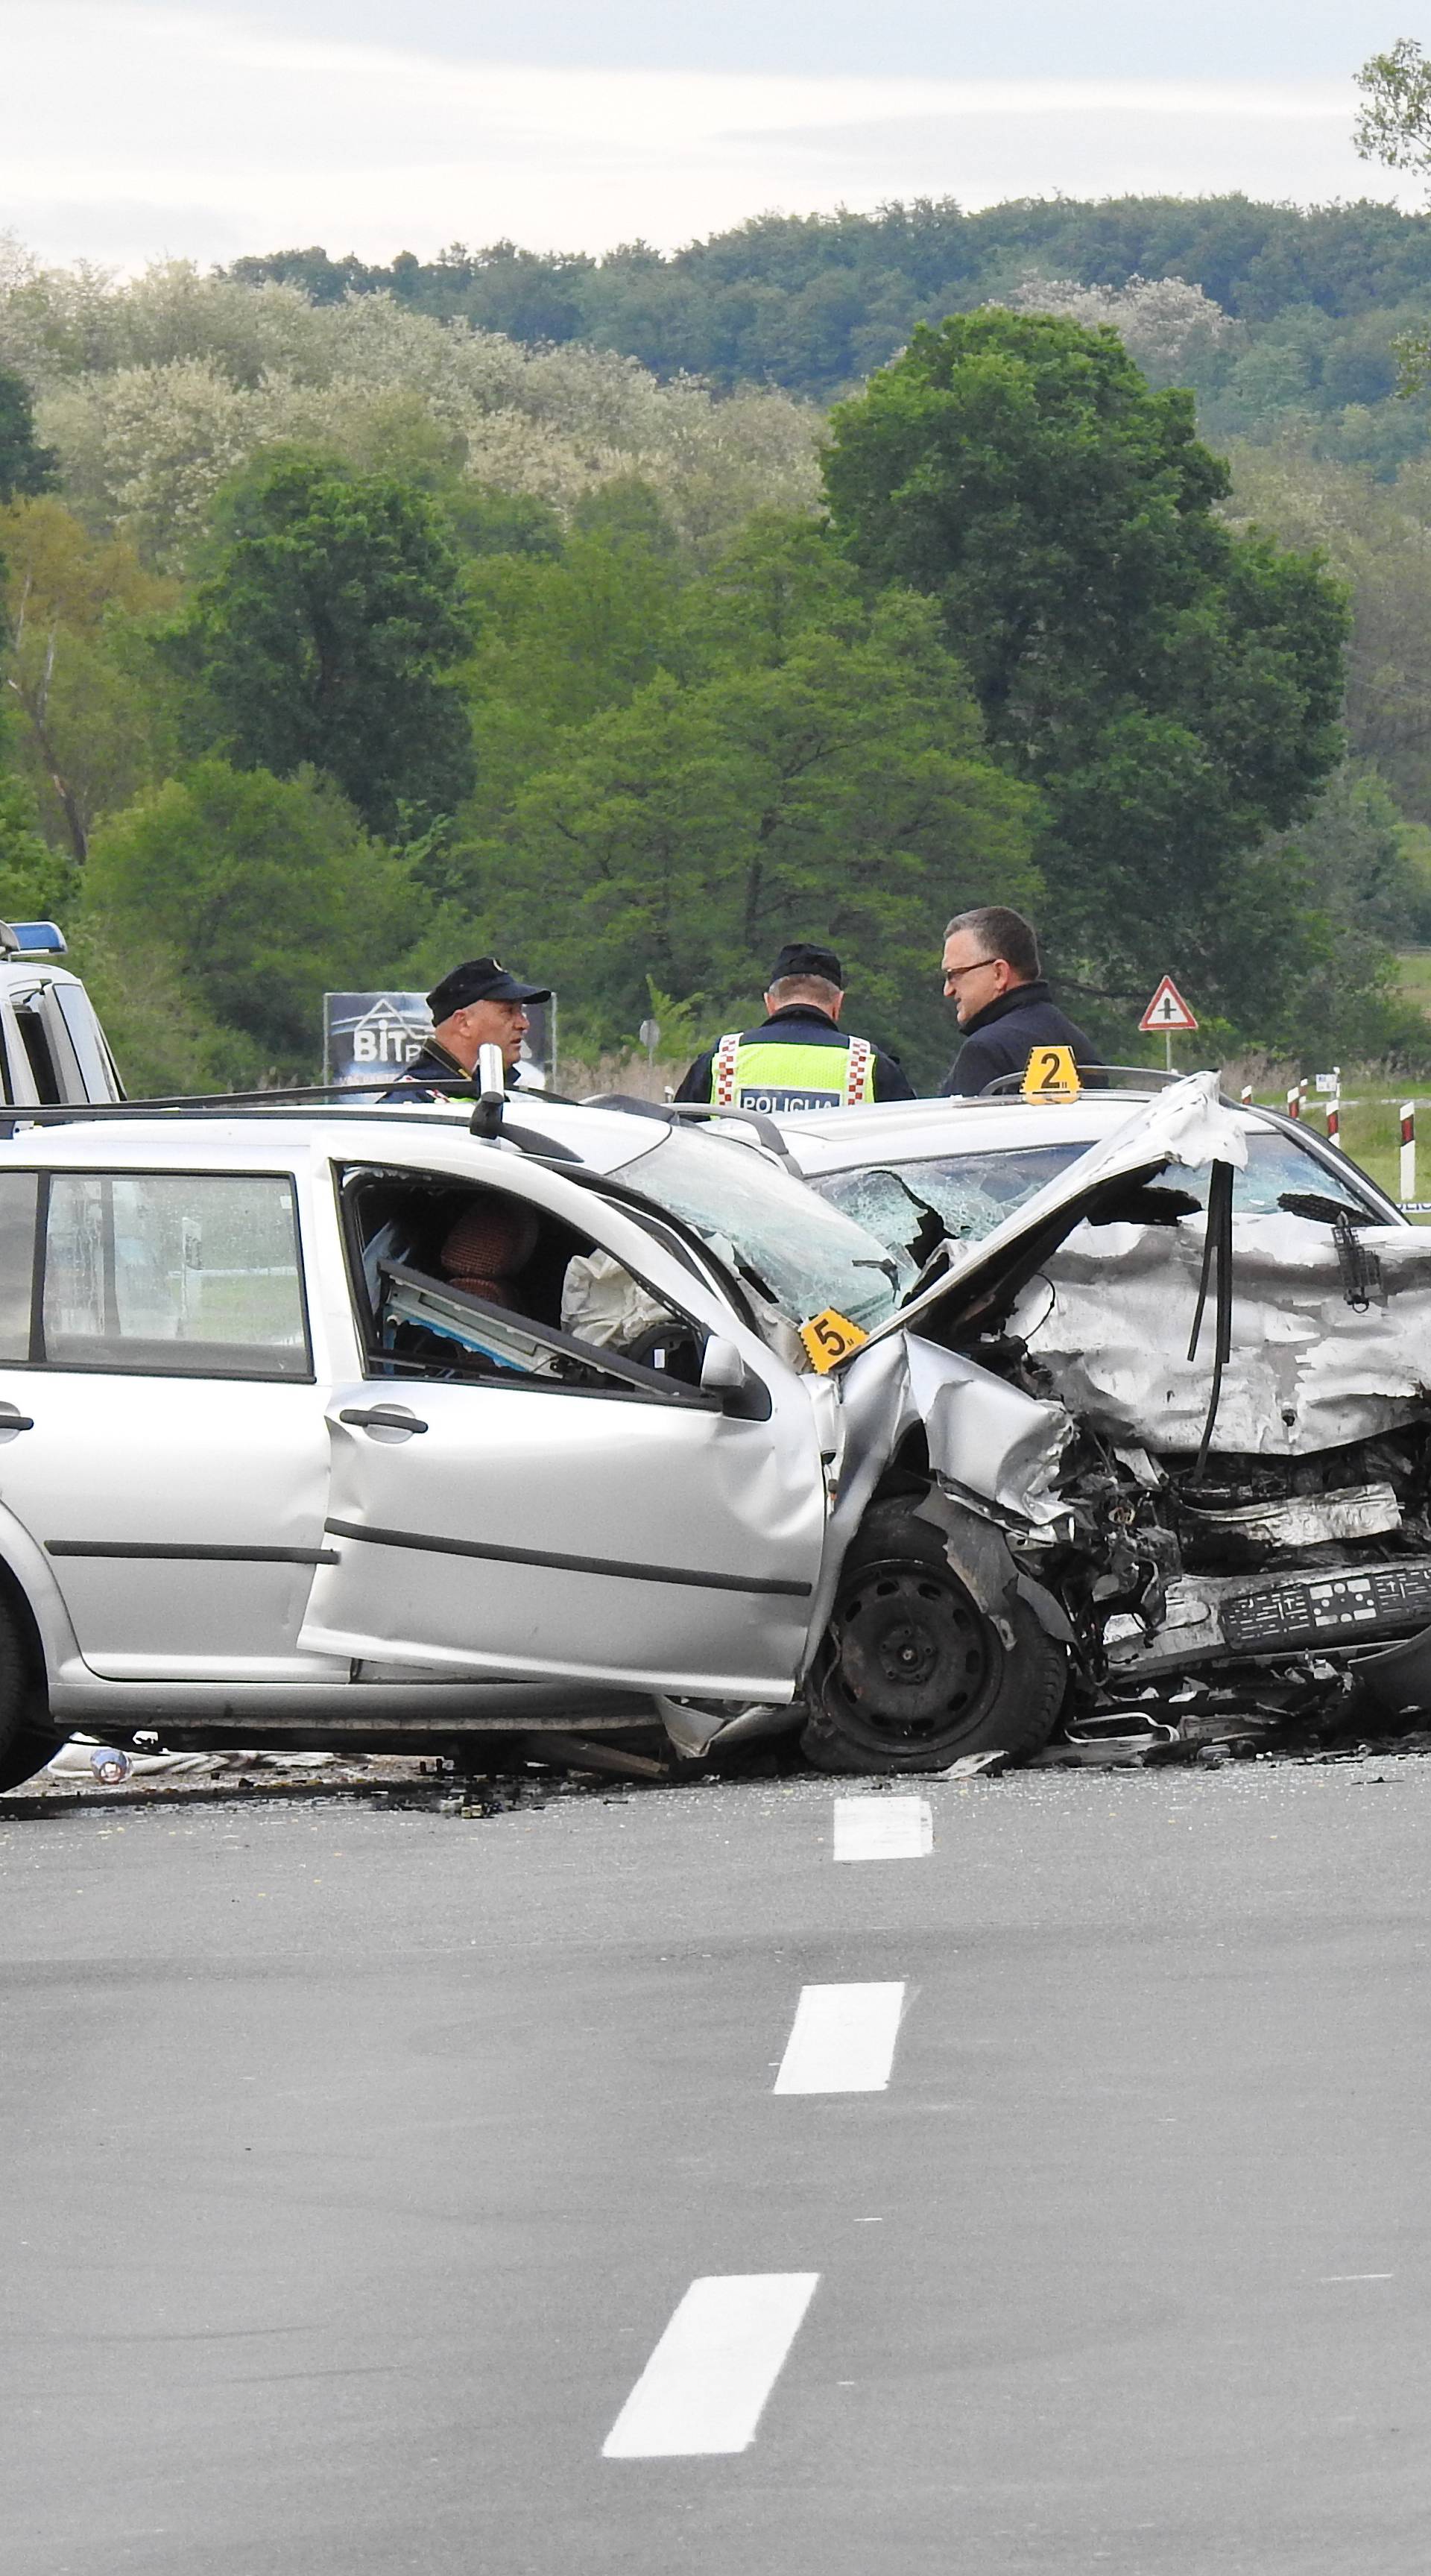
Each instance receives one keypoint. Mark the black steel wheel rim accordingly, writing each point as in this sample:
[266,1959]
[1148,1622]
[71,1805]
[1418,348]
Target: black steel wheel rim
[912,1660]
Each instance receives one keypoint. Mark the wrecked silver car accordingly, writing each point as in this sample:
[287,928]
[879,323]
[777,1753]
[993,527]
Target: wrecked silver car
[373,1428]
[1233,1508]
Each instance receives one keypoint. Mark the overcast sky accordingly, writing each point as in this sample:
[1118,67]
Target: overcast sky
[131,129]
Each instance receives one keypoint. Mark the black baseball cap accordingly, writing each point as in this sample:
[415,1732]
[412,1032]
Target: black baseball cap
[481,979]
[802,957]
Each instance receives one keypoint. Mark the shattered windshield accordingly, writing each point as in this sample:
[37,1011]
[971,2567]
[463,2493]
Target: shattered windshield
[972,1193]
[793,1249]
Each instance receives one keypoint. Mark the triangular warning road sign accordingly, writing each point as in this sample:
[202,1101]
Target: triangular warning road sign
[1167,1009]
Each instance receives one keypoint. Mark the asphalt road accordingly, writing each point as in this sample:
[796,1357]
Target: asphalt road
[356,2164]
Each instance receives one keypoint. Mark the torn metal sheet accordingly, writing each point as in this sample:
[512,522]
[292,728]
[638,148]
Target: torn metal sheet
[1110,1313]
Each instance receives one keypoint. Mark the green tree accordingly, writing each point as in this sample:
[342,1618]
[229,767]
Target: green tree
[1172,688]
[164,1040]
[95,718]
[329,635]
[25,466]
[268,890]
[33,881]
[564,636]
[834,784]
[1365,890]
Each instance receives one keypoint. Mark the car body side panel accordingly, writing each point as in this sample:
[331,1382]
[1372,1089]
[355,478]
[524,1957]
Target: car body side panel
[534,1530]
[180,1517]
[988,1438]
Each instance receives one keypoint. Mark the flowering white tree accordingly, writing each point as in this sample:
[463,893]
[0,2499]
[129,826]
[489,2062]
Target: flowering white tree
[1164,323]
[153,390]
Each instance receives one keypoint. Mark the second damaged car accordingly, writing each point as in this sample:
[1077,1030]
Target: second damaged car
[1214,1449]
[345,1427]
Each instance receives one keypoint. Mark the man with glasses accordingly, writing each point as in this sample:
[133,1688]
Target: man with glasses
[992,977]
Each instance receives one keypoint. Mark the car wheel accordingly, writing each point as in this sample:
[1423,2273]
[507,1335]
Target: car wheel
[912,1674]
[25,1754]
[26,1743]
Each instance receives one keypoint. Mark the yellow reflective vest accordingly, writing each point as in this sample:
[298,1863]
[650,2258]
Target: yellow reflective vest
[780,1074]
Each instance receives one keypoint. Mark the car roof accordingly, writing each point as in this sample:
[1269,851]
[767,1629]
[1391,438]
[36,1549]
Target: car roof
[828,1140]
[195,1136]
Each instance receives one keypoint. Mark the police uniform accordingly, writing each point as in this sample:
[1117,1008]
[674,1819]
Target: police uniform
[797,1058]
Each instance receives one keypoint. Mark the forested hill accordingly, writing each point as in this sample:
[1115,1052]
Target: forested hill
[1309,300]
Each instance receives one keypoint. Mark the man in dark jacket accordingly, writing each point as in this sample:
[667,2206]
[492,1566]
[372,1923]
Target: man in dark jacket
[992,977]
[798,1058]
[478,1004]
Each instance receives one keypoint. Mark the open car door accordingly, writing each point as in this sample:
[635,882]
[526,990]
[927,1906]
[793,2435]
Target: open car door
[508,1499]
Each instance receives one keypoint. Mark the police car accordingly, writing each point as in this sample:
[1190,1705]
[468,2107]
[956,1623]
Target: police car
[52,1048]
[400,1427]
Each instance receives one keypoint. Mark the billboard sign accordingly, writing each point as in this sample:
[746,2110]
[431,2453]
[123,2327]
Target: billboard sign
[367,1036]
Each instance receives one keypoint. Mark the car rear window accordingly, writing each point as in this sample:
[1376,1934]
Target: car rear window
[193,1274]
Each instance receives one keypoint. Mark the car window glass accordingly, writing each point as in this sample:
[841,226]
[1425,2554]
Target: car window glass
[972,1193]
[192,1273]
[18,1193]
[35,1039]
[96,1070]
[478,1283]
[772,1231]
[969,1193]
[1277,1165]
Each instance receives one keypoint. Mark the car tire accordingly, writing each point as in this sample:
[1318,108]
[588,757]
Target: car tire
[26,1743]
[913,1674]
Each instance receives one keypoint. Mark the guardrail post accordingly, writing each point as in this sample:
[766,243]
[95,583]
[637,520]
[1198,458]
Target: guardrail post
[1247,1095]
[1408,1150]
[1294,1100]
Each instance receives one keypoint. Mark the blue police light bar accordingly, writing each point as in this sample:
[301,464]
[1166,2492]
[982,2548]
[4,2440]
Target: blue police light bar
[32,938]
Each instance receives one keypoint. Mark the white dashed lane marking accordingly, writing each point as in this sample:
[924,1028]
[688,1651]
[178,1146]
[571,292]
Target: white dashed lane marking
[709,2377]
[842,2040]
[883,1828]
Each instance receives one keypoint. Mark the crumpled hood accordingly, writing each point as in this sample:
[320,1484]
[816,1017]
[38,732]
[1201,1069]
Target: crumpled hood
[1188,1124]
[1111,1312]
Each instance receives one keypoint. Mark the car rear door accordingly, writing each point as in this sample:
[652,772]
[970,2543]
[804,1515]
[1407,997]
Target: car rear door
[616,1525]
[162,1438]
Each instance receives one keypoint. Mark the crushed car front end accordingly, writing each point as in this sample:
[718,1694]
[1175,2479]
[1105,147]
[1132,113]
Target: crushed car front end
[1198,1459]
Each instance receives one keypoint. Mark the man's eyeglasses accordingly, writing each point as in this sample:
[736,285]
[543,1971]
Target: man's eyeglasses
[956,974]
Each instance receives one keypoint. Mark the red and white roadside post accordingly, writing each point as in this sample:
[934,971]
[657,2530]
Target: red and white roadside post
[1294,1100]
[1407,1190]
[1169,1012]
[1331,1085]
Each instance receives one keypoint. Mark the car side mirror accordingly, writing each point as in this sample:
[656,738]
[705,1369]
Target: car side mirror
[722,1368]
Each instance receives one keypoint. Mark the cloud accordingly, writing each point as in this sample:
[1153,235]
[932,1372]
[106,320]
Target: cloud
[198,132]
[938,39]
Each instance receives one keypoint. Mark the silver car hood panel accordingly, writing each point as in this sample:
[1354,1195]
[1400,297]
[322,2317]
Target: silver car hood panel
[1111,1312]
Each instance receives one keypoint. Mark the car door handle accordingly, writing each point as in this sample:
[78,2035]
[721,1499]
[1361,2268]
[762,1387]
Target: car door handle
[375,1417]
[12,1419]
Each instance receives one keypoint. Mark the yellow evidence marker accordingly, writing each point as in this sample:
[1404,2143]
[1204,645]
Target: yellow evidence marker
[830,1338]
[1051,1074]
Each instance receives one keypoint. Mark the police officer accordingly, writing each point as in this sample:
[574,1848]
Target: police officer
[797,1058]
[479,1004]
